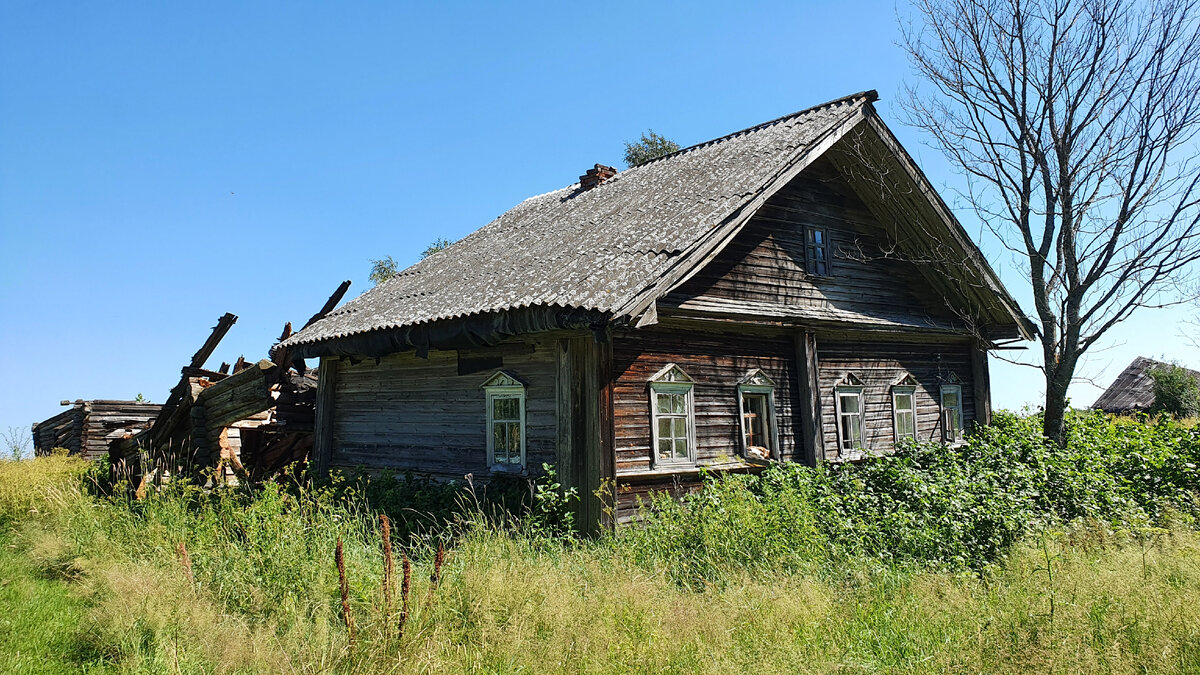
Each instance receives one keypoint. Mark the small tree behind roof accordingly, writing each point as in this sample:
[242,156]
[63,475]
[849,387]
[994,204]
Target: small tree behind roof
[650,146]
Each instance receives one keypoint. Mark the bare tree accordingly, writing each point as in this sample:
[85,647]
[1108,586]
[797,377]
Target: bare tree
[1074,122]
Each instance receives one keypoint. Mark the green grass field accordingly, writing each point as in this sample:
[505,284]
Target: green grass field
[93,584]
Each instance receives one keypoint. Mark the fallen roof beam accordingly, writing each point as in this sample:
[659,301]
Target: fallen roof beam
[210,345]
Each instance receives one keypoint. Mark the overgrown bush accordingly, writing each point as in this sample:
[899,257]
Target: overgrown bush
[1176,391]
[926,505]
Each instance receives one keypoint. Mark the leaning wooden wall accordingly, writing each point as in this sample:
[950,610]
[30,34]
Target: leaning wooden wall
[879,365]
[419,414]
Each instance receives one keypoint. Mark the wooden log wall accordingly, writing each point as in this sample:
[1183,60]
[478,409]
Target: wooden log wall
[717,362]
[89,427]
[762,272]
[419,414]
[879,365]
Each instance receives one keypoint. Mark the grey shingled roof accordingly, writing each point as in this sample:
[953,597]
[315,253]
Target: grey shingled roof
[597,249]
[1133,389]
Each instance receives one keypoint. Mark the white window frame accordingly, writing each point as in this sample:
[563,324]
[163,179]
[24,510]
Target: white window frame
[851,385]
[949,434]
[502,385]
[672,380]
[756,383]
[910,391]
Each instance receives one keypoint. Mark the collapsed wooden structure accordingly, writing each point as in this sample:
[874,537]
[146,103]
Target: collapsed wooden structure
[87,428]
[244,421]
[1133,390]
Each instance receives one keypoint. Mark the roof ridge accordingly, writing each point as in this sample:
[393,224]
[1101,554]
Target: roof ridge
[870,95]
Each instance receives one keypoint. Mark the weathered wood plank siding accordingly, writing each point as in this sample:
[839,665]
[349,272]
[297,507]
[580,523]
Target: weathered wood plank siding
[879,365]
[762,272]
[716,362]
[419,414]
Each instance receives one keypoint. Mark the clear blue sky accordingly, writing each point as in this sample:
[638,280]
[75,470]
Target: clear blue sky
[164,163]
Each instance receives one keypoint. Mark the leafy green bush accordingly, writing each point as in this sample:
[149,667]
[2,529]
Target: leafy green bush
[926,505]
[1176,391]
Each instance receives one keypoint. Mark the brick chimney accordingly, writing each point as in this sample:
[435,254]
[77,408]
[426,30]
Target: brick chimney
[596,176]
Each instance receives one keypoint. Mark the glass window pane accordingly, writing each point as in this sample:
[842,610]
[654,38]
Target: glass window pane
[681,448]
[664,427]
[680,427]
[499,440]
[664,448]
[506,408]
[849,403]
[514,439]
[661,403]
[678,403]
[904,401]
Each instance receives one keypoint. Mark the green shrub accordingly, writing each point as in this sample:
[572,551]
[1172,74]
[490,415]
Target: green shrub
[1176,391]
[926,505]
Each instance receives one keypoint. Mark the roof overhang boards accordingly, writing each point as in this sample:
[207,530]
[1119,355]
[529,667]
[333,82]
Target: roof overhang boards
[898,194]
[642,310]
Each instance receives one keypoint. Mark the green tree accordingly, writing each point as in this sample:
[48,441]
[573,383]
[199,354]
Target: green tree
[438,244]
[650,146]
[383,269]
[1074,123]
[1176,391]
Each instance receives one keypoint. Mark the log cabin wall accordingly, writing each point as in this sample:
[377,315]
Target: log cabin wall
[762,272]
[879,366]
[85,429]
[419,414]
[716,362]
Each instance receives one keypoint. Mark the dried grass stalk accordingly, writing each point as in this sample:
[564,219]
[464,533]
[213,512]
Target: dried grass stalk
[186,561]
[389,566]
[340,559]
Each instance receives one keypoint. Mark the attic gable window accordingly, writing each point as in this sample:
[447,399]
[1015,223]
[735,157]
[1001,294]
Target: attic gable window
[816,251]
[673,419]
[904,409]
[505,400]
[848,397]
[756,401]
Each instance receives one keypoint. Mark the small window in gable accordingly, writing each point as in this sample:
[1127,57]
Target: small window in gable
[848,397]
[904,409]
[505,400]
[816,251]
[952,410]
[673,422]
[756,401]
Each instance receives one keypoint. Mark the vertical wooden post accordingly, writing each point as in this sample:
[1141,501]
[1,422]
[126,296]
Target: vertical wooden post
[322,450]
[982,384]
[811,438]
[565,422]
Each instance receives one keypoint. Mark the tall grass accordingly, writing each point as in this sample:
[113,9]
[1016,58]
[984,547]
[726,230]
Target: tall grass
[1004,556]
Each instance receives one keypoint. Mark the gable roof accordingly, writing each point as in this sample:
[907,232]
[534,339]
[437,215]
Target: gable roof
[613,249]
[1133,389]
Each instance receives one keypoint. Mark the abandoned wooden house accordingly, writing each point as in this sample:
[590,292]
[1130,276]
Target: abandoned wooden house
[88,427]
[795,292]
[1133,390]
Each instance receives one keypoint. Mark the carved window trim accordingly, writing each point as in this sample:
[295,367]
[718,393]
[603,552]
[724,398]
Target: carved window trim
[757,386]
[848,421]
[667,387]
[952,415]
[502,386]
[905,388]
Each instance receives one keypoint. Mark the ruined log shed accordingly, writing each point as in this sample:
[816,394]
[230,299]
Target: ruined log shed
[87,427]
